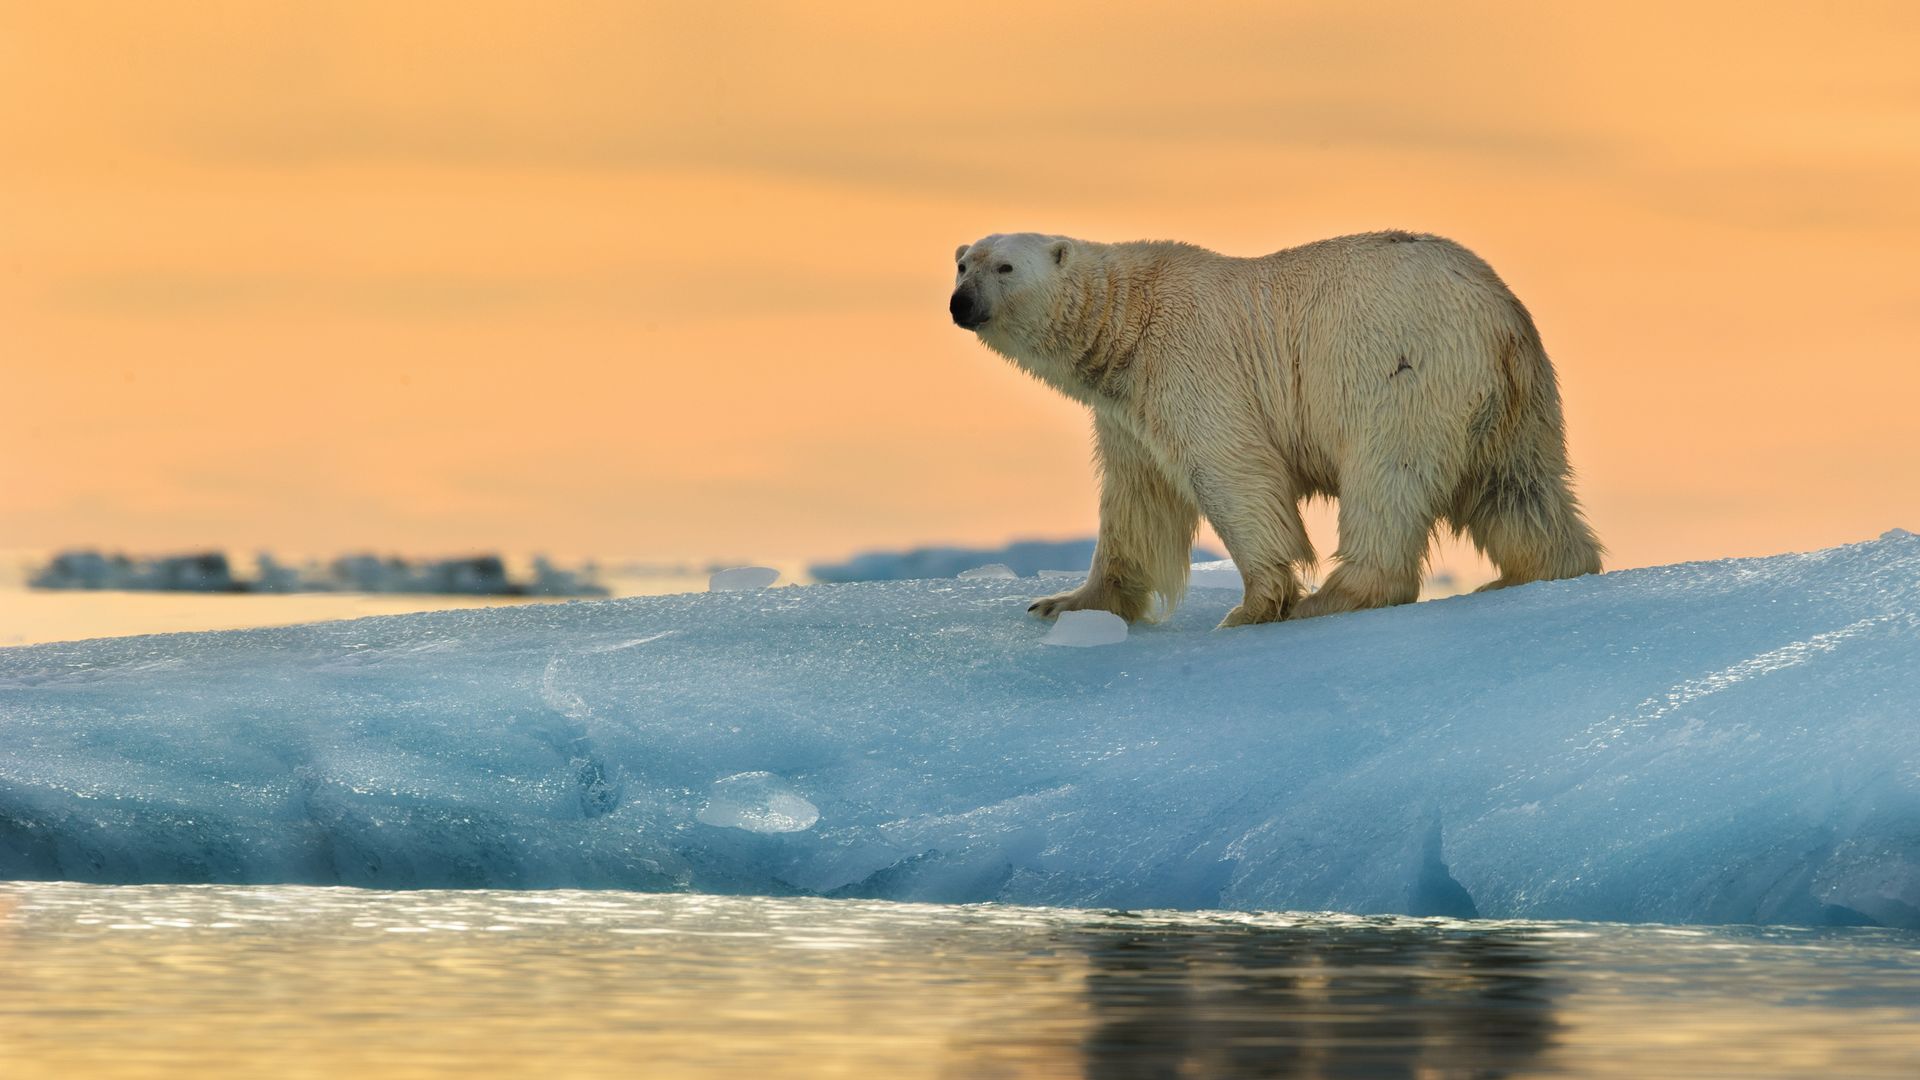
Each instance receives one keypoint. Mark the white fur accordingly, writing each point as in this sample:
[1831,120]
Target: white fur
[1392,370]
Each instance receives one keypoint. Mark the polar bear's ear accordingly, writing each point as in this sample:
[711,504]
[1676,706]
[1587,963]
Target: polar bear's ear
[960,252]
[1058,249]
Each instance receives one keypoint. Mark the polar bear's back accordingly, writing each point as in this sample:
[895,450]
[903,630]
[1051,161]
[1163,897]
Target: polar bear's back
[1398,322]
[1371,344]
[1376,291]
[1388,279]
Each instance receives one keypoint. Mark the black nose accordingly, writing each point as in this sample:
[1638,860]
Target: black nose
[961,307]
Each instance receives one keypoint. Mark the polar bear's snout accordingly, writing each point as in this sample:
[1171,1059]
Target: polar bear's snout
[967,311]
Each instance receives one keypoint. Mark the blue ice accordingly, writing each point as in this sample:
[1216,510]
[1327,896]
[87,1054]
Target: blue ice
[1733,741]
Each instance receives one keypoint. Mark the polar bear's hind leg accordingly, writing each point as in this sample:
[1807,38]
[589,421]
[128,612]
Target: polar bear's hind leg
[1386,525]
[1516,502]
[1531,528]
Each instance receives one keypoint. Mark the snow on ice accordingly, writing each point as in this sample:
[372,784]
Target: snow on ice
[1734,741]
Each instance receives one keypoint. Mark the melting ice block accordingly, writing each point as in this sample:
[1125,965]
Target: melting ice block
[742,578]
[758,802]
[1084,629]
[1716,742]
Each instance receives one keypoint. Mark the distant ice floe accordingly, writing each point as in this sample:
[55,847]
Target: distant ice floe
[206,571]
[211,571]
[741,578]
[1218,574]
[1723,742]
[1024,558]
[989,571]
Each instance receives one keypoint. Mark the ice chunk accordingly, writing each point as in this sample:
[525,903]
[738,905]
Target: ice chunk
[741,578]
[1083,629]
[758,802]
[991,570]
[1715,742]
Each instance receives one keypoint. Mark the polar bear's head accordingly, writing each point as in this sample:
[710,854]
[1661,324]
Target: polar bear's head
[1005,284]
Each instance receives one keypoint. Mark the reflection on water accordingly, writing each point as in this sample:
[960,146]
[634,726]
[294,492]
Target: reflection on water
[1350,998]
[206,980]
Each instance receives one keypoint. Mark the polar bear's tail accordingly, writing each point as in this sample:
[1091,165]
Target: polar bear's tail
[1517,501]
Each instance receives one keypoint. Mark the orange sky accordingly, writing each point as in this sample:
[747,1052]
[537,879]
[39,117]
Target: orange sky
[594,278]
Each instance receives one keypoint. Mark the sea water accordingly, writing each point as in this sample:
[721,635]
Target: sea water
[295,981]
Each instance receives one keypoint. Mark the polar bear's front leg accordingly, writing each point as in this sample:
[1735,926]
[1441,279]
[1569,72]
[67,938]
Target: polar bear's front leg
[1146,534]
[1095,595]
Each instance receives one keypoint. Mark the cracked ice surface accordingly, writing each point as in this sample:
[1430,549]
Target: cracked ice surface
[1712,742]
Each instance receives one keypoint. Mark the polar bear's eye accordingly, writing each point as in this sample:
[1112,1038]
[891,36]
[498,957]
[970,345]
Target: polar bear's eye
[1006,268]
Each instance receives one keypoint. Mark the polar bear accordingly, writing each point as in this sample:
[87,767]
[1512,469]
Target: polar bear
[1392,370]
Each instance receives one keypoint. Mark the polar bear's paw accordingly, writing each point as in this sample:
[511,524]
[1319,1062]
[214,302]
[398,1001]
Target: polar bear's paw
[1090,597]
[1080,599]
[1246,614]
[1239,616]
